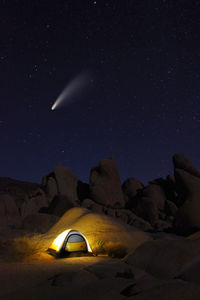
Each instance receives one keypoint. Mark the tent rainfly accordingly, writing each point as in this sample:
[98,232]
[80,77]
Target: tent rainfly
[69,241]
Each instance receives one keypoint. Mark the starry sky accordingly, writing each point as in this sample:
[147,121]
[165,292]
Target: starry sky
[141,104]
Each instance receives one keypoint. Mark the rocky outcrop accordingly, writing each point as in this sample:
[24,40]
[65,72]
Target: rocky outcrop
[166,258]
[51,187]
[181,162]
[187,218]
[146,209]
[105,186]
[58,206]
[38,222]
[32,205]
[61,182]
[123,214]
[91,205]
[66,183]
[170,204]
[130,188]
[9,212]
[83,190]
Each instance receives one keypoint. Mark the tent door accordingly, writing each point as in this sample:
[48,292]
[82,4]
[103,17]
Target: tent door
[75,243]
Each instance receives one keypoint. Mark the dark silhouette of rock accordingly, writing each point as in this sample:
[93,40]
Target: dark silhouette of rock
[90,204]
[105,186]
[130,187]
[156,193]
[58,206]
[17,187]
[191,273]
[181,162]
[187,218]
[139,222]
[146,208]
[38,222]
[51,187]
[163,225]
[173,289]
[83,190]
[168,187]
[170,208]
[32,205]
[19,190]
[166,258]
[9,212]
[66,183]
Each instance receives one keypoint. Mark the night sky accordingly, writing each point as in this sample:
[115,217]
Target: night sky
[141,103]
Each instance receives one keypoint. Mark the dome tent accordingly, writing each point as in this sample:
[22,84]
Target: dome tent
[68,242]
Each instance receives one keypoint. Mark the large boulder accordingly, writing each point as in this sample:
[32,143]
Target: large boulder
[58,206]
[51,187]
[93,206]
[66,183]
[167,186]
[146,208]
[166,258]
[181,162]
[156,193]
[187,218]
[39,223]
[170,208]
[83,190]
[170,290]
[105,185]
[19,190]
[9,212]
[32,205]
[130,188]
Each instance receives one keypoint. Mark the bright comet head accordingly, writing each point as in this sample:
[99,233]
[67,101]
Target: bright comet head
[72,89]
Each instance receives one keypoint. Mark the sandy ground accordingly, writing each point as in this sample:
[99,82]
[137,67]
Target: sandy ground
[61,278]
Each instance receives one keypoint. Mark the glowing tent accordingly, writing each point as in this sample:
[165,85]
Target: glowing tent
[69,241]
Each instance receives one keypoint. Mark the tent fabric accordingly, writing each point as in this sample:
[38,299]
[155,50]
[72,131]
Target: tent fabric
[69,241]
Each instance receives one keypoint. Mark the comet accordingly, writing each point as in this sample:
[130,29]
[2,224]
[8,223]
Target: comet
[72,89]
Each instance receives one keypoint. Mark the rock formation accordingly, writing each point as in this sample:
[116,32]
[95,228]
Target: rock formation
[105,186]
[170,204]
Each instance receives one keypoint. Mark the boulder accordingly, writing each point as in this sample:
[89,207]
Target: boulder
[168,187]
[66,183]
[19,190]
[89,204]
[32,205]
[9,212]
[58,206]
[138,286]
[163,225]
[191,274]
[130,188]
[156,193]
[181,162]
[146,208]
[51,187]
[170,208]
[171,290]
[105,186]
[39,223]
[166,258]
[187,218]
[139,222]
